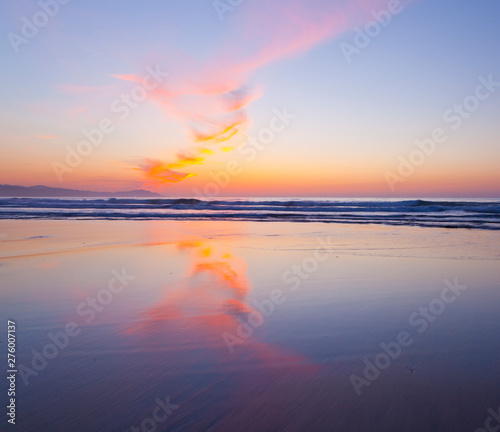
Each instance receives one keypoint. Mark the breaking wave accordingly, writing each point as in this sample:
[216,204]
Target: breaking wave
[479,214]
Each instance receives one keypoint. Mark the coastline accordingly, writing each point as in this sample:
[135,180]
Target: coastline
[345,290]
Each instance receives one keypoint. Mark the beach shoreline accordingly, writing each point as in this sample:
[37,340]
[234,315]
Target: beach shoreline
[240,321]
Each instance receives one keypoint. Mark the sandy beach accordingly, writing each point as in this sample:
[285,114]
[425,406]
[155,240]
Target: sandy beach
[246,326]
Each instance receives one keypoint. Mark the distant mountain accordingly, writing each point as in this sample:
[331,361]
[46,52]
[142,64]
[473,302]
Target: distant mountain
[45,191]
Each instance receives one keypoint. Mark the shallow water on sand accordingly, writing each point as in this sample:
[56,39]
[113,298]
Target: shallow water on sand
[250,326]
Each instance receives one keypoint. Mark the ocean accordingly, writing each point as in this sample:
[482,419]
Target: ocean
[442,213]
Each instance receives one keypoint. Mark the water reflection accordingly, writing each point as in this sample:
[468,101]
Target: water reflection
[163,335]
[210,300]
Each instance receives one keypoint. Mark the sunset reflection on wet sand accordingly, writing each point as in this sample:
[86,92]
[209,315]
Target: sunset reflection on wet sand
[239,326]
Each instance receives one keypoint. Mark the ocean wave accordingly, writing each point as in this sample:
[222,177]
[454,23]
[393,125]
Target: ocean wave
[480,214]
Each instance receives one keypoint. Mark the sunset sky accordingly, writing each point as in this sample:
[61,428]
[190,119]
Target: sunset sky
[224,75]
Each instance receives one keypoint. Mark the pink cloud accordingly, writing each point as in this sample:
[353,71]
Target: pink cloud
[209,97]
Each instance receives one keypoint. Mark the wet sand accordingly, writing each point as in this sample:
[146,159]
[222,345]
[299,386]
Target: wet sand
[250,326]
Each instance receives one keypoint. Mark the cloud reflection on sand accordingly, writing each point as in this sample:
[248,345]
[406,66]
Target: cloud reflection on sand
[210,300]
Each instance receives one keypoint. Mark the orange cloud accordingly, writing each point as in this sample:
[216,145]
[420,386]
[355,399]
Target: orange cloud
[159,173]
[210,97]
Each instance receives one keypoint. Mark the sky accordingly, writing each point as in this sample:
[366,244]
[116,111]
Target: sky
[252,98]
